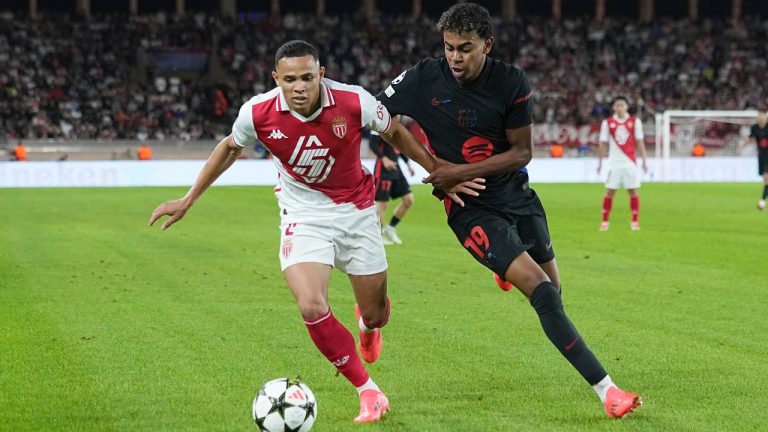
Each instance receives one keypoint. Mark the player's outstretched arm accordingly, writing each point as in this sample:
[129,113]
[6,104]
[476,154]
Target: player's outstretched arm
[222,157]
[403,140]
[448,175]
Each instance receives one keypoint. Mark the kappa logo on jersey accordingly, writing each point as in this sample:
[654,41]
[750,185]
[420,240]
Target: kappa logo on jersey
[622,135]
[311,160]
[339,127]
[277,134]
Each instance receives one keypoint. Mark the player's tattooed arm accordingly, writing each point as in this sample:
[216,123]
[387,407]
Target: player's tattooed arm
[222,157]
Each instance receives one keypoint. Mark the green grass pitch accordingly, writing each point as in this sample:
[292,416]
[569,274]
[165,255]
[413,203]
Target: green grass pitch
[108,325]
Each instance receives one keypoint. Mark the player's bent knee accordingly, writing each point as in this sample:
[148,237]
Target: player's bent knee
[311,309]
[546,298]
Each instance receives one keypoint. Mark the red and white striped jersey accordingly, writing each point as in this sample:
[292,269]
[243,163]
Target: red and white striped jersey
[317,157]
[622,136]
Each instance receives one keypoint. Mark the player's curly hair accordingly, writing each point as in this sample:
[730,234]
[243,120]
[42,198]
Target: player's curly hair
[295,48]
[466,18]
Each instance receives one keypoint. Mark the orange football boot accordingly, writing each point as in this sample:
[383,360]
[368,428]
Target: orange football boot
[369,343]
[373,405]
[619,403]
[504,285]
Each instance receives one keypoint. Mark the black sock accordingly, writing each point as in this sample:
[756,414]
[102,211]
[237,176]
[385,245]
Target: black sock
[394,221]
[563,335]
[765,191]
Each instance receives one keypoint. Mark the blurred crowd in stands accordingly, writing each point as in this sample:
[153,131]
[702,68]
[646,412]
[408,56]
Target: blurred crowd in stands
[71,77]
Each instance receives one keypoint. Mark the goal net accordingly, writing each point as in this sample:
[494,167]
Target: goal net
[719,132]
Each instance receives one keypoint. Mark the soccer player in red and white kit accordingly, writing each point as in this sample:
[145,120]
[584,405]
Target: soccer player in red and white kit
[312,126]
[623,134]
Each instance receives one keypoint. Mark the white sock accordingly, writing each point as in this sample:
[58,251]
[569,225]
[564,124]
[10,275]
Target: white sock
[369,385]
[602,387]
[363,328]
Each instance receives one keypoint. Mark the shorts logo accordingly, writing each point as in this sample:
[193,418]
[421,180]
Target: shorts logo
[339,127]
[287,248]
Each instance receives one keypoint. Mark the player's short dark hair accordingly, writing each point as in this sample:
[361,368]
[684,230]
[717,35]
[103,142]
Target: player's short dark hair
[466,18]
[618,98]
[295,48]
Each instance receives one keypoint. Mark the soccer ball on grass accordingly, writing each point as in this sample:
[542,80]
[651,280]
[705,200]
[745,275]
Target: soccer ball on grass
[285,405]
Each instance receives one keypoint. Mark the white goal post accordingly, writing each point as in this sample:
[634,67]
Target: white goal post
[721,132]
[692,118]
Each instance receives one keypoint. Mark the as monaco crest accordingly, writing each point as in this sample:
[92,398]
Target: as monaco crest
[339,127]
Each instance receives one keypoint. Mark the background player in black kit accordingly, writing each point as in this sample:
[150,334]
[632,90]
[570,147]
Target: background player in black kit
[390,184]
[759,135]
[476,113]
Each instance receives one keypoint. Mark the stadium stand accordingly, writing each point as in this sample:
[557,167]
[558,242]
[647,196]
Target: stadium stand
[162,77]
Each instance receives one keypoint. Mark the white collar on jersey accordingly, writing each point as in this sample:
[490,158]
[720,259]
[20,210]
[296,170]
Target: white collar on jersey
[326,100]
[621,120]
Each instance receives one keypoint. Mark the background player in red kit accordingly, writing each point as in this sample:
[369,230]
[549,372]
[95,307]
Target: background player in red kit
[312,126]
[622,134]
[476,112]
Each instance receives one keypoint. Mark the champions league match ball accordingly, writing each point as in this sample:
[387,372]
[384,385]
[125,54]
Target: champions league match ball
[285,405]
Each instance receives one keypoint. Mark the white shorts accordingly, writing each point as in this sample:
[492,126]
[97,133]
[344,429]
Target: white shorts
[628,176]
[350,242]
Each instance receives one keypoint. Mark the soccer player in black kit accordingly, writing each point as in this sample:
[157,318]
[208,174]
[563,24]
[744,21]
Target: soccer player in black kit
[391,184]
[476,112]
[759,133]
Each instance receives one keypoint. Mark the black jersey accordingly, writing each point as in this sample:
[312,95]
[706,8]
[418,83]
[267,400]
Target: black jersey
[761,137]
[382,149]
[468,124]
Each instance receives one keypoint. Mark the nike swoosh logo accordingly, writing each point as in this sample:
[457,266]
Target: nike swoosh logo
[570,345]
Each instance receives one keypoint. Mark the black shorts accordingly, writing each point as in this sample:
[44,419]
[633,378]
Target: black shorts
[392,187]
[495,238]
[762,165]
